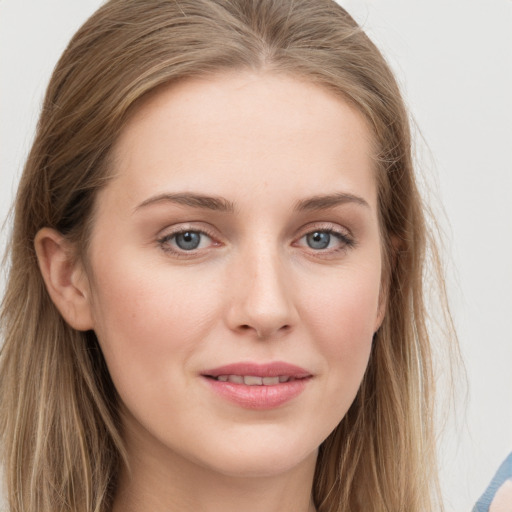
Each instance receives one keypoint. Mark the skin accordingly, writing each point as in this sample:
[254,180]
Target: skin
[253,290]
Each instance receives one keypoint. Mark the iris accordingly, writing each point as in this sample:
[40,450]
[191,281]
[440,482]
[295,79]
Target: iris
[188,241]
[318,240]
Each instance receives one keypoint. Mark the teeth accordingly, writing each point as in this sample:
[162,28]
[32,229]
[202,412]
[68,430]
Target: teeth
[253,380]
[250,380]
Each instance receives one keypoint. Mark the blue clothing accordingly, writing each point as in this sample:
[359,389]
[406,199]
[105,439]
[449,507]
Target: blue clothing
[504,473]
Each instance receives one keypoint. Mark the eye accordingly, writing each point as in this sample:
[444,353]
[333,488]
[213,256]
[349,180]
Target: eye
[185,241]
[328,240]
[189,240]
[318,239]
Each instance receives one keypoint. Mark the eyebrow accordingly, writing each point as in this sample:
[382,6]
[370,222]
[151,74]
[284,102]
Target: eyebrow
[325,202]
[218,204]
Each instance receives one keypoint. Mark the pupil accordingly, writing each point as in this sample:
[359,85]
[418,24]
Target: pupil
[188,241]
[318,240]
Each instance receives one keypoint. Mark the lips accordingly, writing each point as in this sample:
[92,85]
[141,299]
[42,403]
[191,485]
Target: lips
[254,380]
[273,369]
[258,386]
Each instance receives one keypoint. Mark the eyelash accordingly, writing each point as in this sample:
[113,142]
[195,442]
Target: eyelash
[346,241]
[163,241]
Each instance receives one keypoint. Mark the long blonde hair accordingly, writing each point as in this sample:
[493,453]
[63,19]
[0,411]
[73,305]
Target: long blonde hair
[59,421]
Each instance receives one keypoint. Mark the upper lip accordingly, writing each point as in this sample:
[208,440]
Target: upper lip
[272,369]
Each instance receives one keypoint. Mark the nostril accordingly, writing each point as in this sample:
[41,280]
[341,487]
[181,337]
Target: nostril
[265,332]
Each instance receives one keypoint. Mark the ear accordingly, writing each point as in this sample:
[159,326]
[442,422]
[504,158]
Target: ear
[65,278]
[395,247]
[381,310]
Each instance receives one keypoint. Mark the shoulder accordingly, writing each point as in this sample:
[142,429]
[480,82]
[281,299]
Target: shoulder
[498,496]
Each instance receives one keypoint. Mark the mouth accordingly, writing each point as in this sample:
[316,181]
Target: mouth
[254,380]
[258,386]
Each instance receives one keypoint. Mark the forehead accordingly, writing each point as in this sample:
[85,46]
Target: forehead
[235,131]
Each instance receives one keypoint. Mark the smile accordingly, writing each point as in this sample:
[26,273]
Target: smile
[254,380]
[258,386]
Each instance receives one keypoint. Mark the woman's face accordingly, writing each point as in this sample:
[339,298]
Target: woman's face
[235,271]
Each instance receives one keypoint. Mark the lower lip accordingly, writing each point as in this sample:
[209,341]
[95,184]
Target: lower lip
[258,397]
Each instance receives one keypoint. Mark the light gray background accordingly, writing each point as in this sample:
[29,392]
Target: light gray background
[454,61]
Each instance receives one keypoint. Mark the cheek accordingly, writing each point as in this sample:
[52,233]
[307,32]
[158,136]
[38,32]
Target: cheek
[342,316]
[147,320]
[345,306]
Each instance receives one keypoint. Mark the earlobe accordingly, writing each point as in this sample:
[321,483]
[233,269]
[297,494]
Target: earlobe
[64,278]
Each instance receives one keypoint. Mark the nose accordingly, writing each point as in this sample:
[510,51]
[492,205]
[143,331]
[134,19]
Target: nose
[262,300]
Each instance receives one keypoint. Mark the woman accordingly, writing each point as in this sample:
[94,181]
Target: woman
[215,299]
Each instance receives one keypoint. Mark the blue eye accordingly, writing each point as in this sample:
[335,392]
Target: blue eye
[185,241]
[188,240]
[318,240]
[328,240]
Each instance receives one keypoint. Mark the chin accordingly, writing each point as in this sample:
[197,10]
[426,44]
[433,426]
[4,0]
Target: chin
[261,458]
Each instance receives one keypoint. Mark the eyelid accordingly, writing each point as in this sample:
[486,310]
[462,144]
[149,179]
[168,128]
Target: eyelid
[171,232]
[324,226]
[345,236]
[346,239]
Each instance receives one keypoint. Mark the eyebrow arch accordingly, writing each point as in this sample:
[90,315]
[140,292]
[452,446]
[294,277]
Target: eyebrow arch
[218,204]
[329,201]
